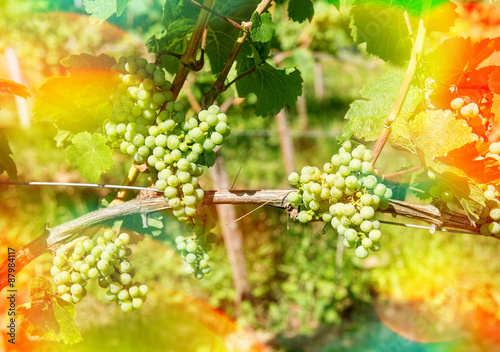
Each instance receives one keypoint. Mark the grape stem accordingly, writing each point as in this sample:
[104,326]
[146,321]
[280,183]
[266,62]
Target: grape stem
[403,91]
[397,175]
[51,238]
[188,59]
[171,53]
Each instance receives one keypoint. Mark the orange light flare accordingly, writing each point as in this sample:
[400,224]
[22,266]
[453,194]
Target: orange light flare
[437,304]
[40,41]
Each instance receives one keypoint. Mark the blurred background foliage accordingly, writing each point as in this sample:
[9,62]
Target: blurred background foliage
[421,292]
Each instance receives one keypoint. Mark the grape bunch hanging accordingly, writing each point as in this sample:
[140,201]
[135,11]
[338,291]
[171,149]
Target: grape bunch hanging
[154,130]
[345,194]
[105,260]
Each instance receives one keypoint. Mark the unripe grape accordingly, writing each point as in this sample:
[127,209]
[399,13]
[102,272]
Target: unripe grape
[366,243]
[361,252]
[375,235]
[350,235]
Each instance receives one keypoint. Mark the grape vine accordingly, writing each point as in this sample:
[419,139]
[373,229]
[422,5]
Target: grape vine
[446,123]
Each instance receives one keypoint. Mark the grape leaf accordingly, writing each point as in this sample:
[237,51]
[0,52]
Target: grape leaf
[366,117]
[62,137]
[90,154]
[121,5]
[468,194]
[382,26]
[13,88]
[494,81]
[262,29]
[179,20]
[80,101]
[300,10]
[454,68]
[48,315]
[494,84]
[101,10]
[470,159]
[433,132]
[84,61]
[335,3]
[495,107]
[274,87]
[151,224]
[222,35]
[6,162]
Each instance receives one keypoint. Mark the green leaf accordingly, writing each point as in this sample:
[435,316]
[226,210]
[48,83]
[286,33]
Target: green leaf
[6,162]
[150,224]
[262,29]
[121,5]
[382,26]
[300,10]
[47,315]
[335,3]
[80,101]
[222,35]
[366,117]
[90,154]
[179,21]
[210,158]
[274,87]
[62,137]
[179,18]
[101,10]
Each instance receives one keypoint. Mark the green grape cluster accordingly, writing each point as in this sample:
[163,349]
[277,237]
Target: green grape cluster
[155,130]
[180,158]
[489,219]
[346,194]
[105,260]
[194,252]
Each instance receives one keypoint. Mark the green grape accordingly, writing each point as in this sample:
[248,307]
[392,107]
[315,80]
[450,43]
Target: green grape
[366,243]
[370,181]
[350,235]
[494,228]
[351,181]
[367,212]
[361,252]
[76,289]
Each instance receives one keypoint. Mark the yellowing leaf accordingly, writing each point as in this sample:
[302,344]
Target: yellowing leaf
[13,88]
[433,132]
[80,101]
[76,103]
[47,315]
[90,154]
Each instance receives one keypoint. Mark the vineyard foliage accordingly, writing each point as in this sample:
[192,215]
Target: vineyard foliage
[446,121]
